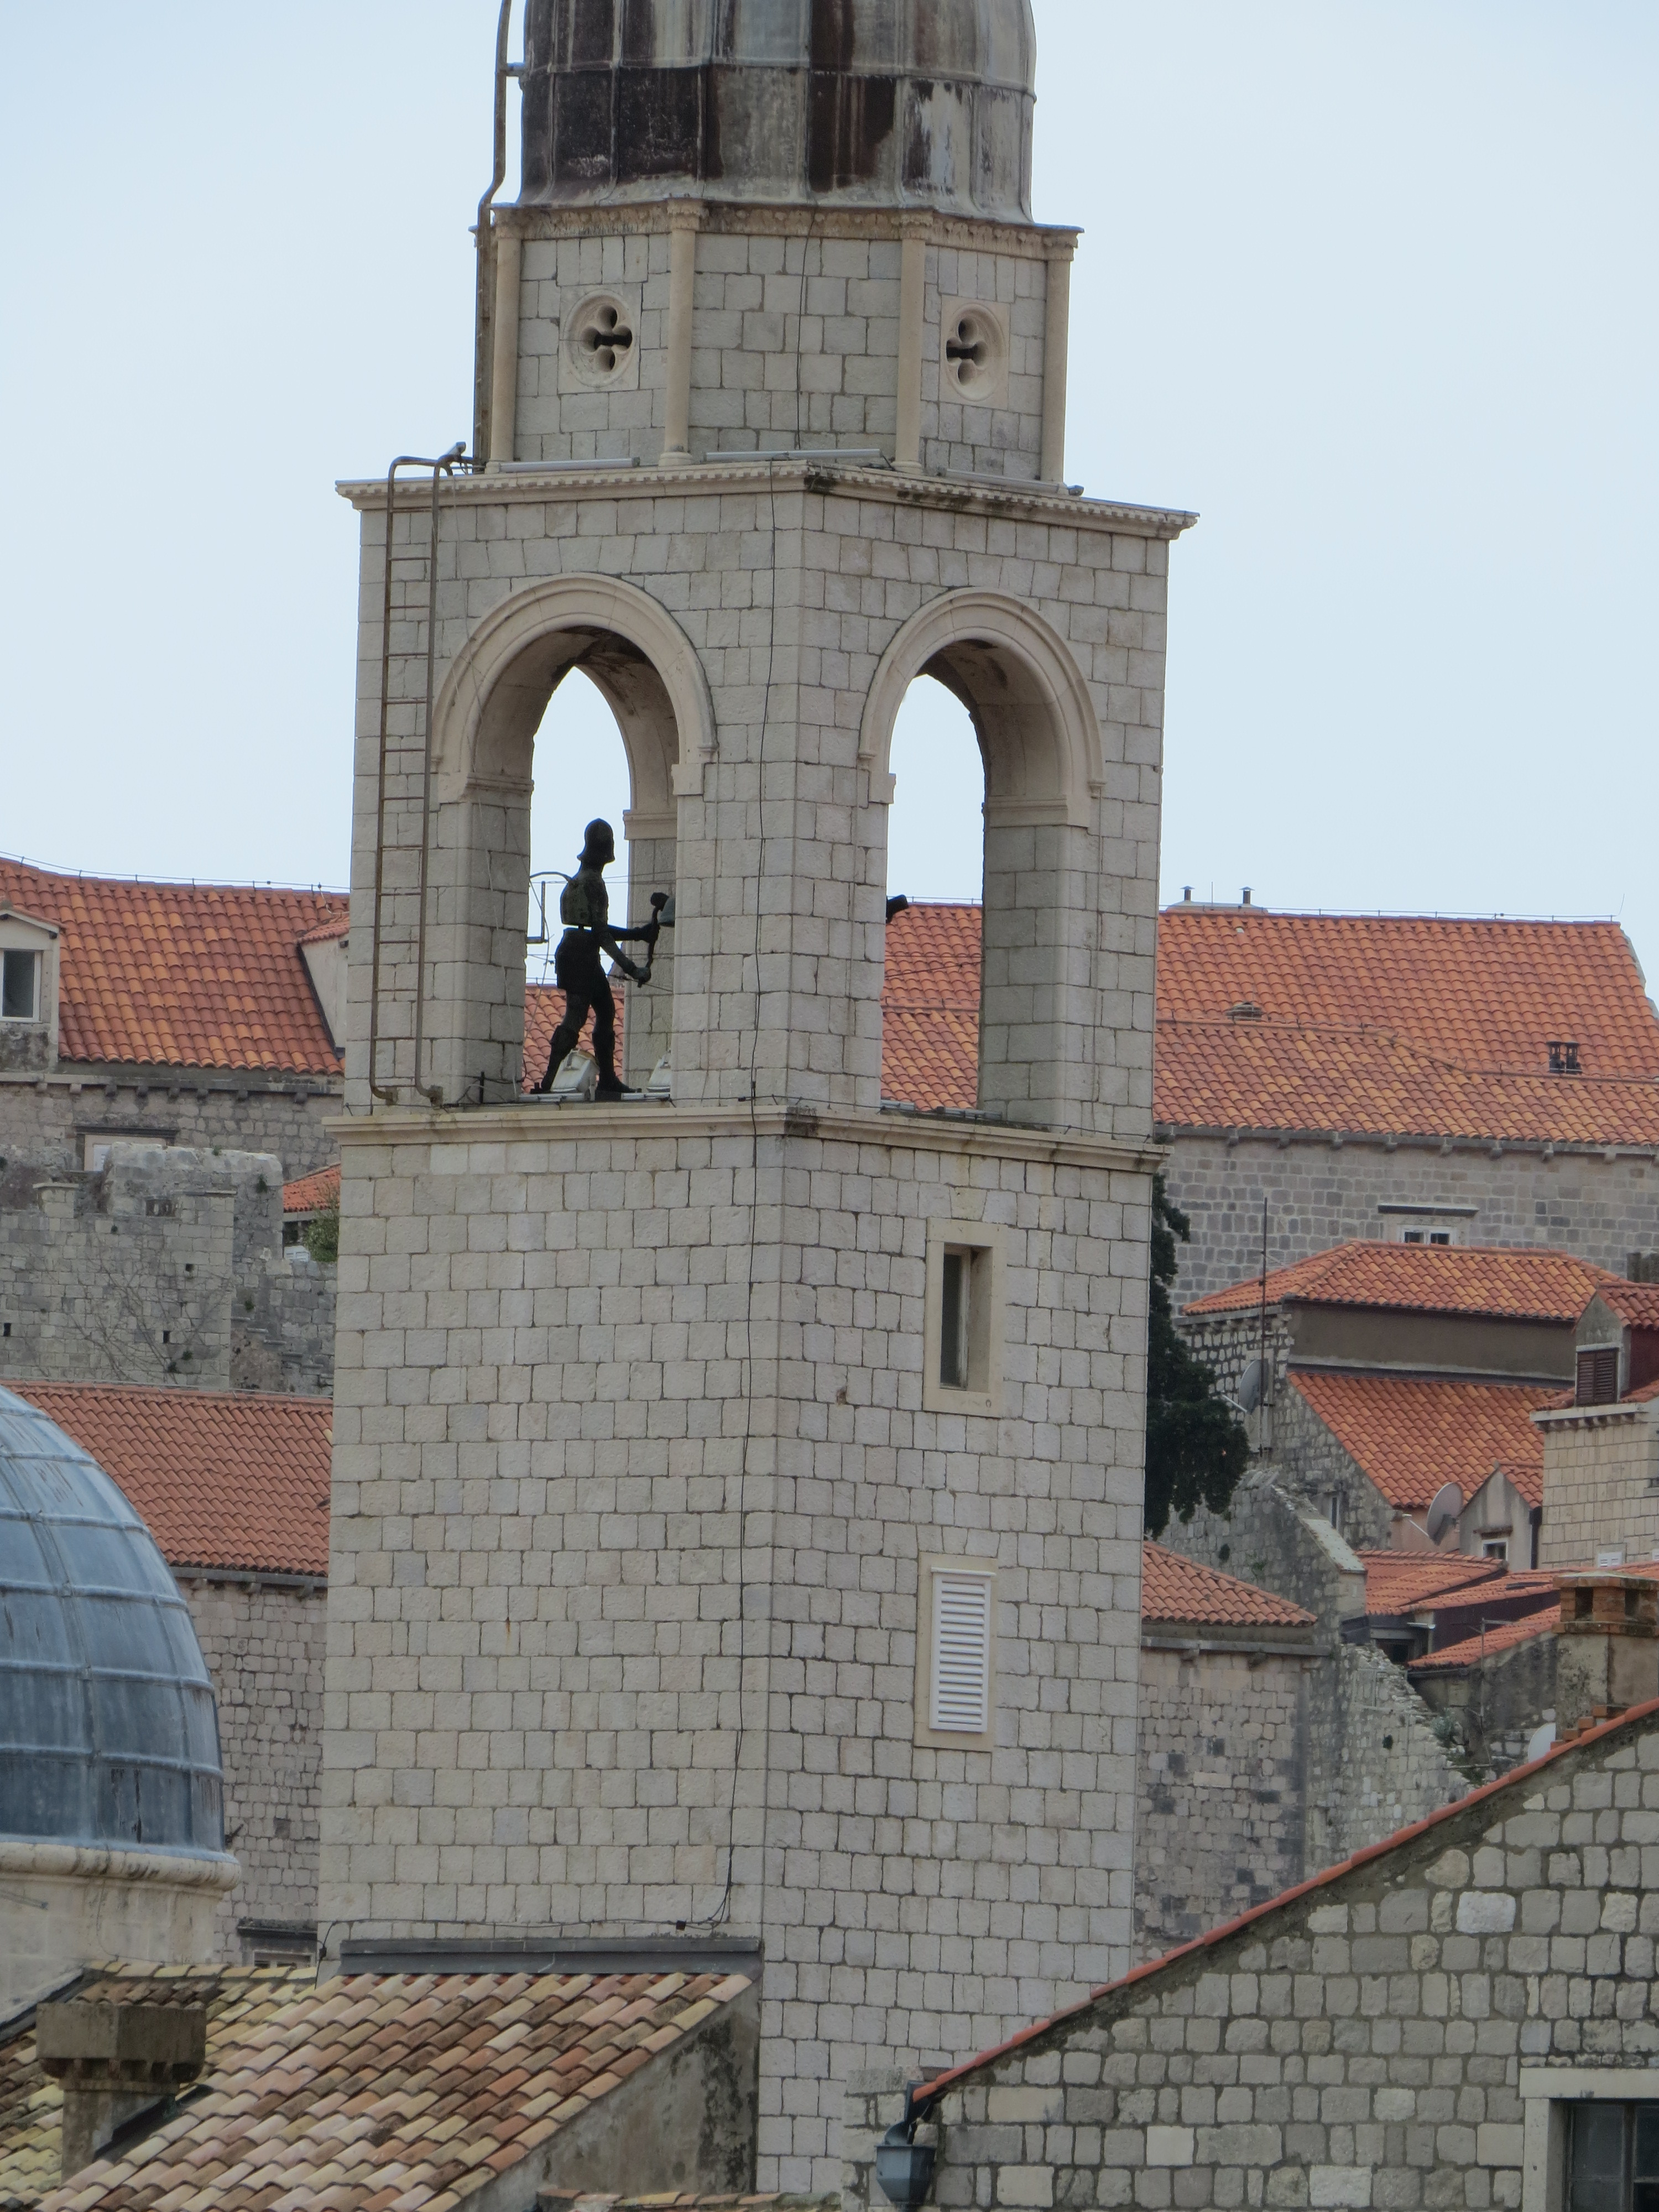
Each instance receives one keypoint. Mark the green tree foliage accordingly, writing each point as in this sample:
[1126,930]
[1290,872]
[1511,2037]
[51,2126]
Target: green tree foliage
[322,1233]
[1196,1446]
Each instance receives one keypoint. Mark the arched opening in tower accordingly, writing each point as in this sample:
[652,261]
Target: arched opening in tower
[936,862]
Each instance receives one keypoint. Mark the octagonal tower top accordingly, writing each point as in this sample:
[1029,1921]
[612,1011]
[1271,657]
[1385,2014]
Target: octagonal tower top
[875,103]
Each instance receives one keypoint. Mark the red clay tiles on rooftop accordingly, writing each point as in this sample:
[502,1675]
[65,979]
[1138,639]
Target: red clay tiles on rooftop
[1510,1283]
[1176,1588]
[309,1194]
[221,1479]
[1503,1636]
[1410,1434]
[396,2092]
[182,974]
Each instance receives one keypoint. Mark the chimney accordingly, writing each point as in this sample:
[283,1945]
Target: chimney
[1247,896]
[1608,1653]
[115,2061]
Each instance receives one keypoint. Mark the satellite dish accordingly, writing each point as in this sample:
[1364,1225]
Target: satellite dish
[1249,1387]
[1447,1505]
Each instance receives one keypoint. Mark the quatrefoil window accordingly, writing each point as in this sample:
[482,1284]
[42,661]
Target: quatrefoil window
[976,353]
[601,341]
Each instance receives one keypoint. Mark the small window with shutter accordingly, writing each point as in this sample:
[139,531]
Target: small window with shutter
[955,1655]
[1598,1375]
[963,1320]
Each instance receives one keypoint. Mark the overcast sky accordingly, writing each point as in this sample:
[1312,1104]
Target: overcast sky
[1370,286]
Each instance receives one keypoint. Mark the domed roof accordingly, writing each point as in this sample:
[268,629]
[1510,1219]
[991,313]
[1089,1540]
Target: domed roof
[885,103]
[108,1731]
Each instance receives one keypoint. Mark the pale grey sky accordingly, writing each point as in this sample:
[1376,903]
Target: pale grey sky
[1371,286]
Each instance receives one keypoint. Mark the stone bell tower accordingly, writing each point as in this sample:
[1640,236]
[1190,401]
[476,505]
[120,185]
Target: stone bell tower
[736,1495]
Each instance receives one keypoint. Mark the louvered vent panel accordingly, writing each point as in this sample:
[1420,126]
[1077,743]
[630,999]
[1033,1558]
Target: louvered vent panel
[962,1654]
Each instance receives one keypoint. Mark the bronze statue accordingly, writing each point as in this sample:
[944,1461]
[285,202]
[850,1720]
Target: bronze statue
[584,910]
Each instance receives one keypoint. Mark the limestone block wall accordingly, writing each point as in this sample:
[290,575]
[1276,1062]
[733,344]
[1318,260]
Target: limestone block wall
[264,1642]
[1221,1788]
[1312,1466]
[1600,1486]
[47,1123]
[1377,1764]
[1319,1195]
[165,1267]
[633,1480]
[795,336]
[1410,2033]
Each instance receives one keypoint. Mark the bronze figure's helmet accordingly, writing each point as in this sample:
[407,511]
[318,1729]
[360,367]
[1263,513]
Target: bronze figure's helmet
[876,103]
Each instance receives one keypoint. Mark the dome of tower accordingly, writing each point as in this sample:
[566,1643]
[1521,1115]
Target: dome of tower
[876,103]
[108,1731]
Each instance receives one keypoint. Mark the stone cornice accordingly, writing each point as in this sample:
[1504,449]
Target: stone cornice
[541,1121]
[175,1082]
[1171,1132]
[1590,1416]
[1027,241]
[820,473]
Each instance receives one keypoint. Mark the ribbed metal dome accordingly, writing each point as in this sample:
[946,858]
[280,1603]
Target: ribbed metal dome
[108,1730]
[886,103]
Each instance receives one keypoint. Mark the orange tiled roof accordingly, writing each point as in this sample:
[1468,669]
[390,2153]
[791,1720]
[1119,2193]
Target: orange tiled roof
[1511,1284]
[1504,1636]
[398,2090]
[1385,1025]
[310,1194]
[1636,1304]
[1406,1581]
[182,974]
[238,1999]
[220,1478]
[1410,1434]
[1176,1588]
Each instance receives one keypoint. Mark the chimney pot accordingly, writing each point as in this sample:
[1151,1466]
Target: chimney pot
[115,2061]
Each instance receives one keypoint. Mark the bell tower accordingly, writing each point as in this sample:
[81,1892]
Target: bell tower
[737,1493]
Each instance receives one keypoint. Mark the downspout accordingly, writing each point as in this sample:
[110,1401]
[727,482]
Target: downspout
[483,350]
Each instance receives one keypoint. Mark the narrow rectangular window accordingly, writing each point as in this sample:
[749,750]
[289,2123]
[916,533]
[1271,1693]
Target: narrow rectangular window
[1598,1375]
[960,1700]
[19,994]
[955,1290]
[963,1320]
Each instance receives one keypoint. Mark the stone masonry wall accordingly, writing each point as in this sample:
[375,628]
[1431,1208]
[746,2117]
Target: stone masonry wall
[165,1267]
[1600,1486]
[632,1481]
[1221,1788]
[1394,2038]
[1319,1195]
[795,337]
[264,1643]
[46,1124]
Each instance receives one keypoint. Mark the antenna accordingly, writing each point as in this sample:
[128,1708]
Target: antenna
[1447,1505]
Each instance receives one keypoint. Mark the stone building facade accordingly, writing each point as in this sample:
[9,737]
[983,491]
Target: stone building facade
[1461,2016]
[164,1265]
[668,1460]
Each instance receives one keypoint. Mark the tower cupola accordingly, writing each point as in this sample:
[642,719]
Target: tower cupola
[879,103]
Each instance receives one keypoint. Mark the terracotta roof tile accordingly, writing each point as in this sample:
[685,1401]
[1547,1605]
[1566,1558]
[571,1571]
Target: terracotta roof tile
[1389,1025]
[221,1479]
[310,1194]
[1407,1582]
[1410,1434]
[1635,1303]
[237,1998]
[391,2090]
[1502,1637]
[1513,1283]
[182,974]
[1176,1588]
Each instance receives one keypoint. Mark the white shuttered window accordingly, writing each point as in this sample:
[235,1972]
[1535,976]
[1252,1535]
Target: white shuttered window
[960,1700]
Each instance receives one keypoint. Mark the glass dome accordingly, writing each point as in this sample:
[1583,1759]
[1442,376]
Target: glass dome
[884,103]
[108,1730]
